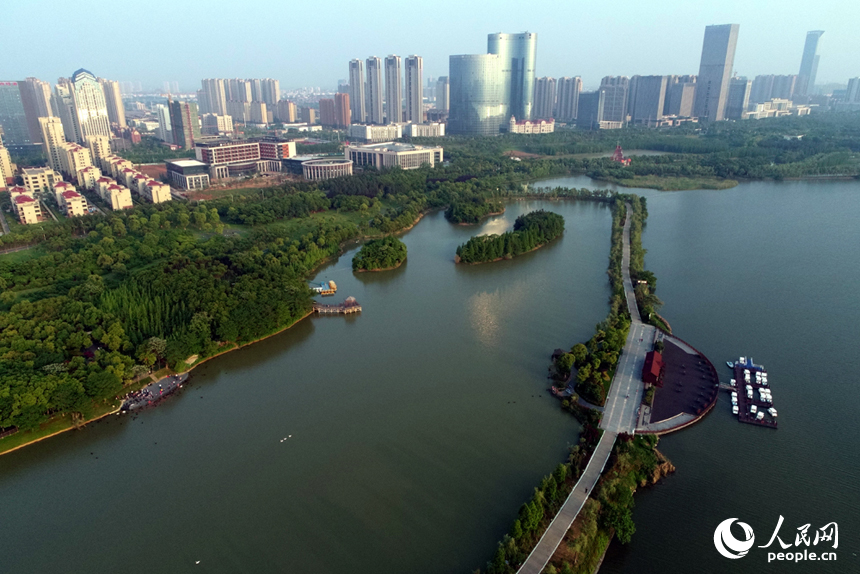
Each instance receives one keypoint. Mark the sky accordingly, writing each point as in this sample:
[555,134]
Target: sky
[305,44]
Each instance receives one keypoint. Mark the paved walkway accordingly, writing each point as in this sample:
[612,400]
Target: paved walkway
[625,393]
[559,526]
[3,223]
[621,414]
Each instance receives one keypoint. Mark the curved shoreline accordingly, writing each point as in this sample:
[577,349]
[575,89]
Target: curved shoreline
[231,348]
[482,218]
[379,268]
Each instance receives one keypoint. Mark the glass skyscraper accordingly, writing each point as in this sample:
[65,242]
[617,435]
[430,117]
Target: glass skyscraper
[12,117]
[808,64]
[475,95]
[715,71]
[518,54]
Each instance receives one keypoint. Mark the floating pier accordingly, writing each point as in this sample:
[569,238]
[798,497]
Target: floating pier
[347,307]
[754,400]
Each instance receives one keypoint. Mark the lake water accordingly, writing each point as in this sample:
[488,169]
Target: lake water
[768,270]
[420,426]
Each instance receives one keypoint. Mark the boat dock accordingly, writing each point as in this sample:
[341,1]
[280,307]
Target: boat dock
[153,392]
[751,395]
[325,288]
[346,308]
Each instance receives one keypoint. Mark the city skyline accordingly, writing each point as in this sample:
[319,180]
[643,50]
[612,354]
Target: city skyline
[628,46]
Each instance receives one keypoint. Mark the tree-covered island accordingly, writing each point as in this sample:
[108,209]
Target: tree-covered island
[380,255]
[531,231]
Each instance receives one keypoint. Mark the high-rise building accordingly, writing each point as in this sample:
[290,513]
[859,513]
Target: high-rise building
[164,131]
[374,90]
[415,89]
[615,91]
[271,91]
[808,63]
[650,99]
[259,113]
[214,125]
[6,170]
[13,120]
[852,94]
[63,106]
[215,96]
[393,90]
[680,95]
[309,116]
[544,106]
[52,136]
[357,104]
[113,100]
[99,147]
[476,106]
[518,56]
[767,87]
[341,110]
[591,107]
[36,100]
[184,123]
[443,93]
[715,71]
[327,117]
[90,112]
[286,112]
[738,99]
[567,102]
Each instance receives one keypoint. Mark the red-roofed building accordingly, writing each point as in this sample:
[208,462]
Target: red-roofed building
[73,203]
[652,371]
[26,208]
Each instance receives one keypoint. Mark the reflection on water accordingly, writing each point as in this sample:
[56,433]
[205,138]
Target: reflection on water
[489,311]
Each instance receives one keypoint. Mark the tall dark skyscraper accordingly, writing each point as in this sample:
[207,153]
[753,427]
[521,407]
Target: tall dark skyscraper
[738,98]
[715,71]
[12,116]
[545,89]
[518,55]
[615,89]
[374,90]
[475,95]
[650,99]
[356,91]
[393,90]
[567,102]
[590,112]
[808,64]
[184,123]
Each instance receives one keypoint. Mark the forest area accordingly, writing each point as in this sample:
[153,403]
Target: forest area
[380,255]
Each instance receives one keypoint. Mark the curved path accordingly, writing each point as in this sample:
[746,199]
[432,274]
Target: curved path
[621,414]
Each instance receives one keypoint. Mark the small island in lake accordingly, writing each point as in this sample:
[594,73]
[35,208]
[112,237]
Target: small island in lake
[380,255]
[472,210]
[531,231]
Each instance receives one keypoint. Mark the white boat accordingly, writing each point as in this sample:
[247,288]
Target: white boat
[735,409]
[730,364]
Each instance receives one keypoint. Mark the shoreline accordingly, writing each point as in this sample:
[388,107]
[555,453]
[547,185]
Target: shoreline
[225,351]
[483,218]
[379,268]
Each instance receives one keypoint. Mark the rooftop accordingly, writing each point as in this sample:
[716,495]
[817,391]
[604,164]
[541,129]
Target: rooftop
[71,194]
[187,163]
[391,146]
[23,198]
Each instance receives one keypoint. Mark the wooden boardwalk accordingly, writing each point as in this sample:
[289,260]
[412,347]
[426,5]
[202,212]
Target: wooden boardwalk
[346,308]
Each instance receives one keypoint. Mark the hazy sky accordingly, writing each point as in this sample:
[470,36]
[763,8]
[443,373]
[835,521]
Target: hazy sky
[310,43]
